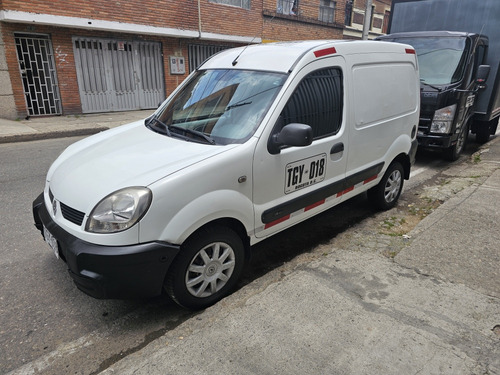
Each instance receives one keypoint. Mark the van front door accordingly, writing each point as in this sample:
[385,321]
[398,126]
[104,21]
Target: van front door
[299,182]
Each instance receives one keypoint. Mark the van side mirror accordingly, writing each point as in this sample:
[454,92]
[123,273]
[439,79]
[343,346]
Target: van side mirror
[298,135]
[483,71]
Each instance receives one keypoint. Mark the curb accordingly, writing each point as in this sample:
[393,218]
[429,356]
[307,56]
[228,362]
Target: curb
[50,135]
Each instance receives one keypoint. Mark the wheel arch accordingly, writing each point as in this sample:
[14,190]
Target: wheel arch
[232,223]
[404,159]
[227,207]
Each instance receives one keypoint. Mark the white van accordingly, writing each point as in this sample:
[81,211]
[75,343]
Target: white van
[257,139]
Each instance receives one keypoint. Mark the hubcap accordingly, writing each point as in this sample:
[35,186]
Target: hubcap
[392,186]
[210,269]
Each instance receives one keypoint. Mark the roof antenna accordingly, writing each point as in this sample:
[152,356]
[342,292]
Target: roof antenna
[235,61]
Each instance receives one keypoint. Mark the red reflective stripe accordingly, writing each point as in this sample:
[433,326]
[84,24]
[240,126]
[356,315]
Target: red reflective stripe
[275,222]
[324,52]
[370,179]
[345,191]
[411,51]
[314,205]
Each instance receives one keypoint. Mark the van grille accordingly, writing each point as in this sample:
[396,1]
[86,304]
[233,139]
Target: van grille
[70,214]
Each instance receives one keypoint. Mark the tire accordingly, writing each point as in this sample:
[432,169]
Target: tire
[207,268]
[385,195]
[453,153]
[483,133]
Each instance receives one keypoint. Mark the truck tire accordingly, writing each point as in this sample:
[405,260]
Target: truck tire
[385,195]
[453,153]
[483,133]
[207,267]
[484,129]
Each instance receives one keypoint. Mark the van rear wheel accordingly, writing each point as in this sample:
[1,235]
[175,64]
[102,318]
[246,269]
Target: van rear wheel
[207,268]
[385,195]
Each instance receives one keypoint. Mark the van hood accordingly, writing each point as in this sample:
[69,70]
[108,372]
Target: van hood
[97,166]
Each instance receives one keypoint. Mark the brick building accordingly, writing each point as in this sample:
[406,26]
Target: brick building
[72,57]
[355,15]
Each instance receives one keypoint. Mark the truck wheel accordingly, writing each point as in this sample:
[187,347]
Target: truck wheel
[385,195]
[453,153]
[207,268]
[483,133]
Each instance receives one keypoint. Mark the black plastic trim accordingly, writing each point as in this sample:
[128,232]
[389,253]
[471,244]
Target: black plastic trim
[308,199]
[122,272]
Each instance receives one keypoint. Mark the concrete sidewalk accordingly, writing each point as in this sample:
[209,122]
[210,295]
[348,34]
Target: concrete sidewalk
[65,126]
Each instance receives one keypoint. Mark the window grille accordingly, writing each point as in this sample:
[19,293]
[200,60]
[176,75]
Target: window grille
[38,73]
[199,53]
[317,102]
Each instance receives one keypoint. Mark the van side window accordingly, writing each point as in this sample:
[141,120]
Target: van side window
[317,102]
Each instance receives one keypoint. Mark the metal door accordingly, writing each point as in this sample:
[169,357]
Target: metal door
[38,73]
[118,75]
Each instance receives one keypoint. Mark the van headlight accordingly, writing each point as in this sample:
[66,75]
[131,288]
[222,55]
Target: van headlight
[443,118]
[119,210]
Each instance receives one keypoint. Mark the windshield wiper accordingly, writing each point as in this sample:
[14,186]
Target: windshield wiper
[229,107]
[165,126]
[182,130]
[194,132]
[432,86]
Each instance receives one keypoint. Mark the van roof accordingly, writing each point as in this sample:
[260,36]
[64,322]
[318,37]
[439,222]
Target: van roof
[283,56]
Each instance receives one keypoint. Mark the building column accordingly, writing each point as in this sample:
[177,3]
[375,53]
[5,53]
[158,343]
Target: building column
[7,104]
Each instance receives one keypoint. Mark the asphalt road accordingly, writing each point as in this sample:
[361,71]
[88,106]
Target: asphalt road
[47,325]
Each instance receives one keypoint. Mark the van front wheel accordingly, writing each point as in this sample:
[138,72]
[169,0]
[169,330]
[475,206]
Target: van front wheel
[385,195]
[207,268]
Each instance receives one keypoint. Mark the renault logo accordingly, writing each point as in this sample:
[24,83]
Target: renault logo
[54,207]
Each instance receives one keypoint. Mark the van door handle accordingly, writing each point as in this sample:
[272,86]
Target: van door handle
[339,147]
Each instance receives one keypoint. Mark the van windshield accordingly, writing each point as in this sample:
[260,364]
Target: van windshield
[441,60]
[220,106]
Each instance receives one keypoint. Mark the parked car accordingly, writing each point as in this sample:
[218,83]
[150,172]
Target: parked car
[256,140]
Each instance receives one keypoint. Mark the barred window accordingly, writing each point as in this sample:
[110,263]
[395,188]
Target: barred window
[245,4]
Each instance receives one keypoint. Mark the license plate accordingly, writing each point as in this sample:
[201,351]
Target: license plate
[50,239]
[304,173]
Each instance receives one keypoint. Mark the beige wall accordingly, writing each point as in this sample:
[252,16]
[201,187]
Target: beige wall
[7,104]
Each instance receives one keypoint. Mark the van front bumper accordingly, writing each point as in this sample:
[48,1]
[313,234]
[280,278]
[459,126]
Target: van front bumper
[121,272]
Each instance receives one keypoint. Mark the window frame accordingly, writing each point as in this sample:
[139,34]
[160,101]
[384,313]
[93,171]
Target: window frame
[244,4]
[292,5]
[327,10]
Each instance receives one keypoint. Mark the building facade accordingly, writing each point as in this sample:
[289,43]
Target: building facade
[68,57]
[355,16]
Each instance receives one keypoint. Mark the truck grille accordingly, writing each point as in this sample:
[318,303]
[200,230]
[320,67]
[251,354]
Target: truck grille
[70,214]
